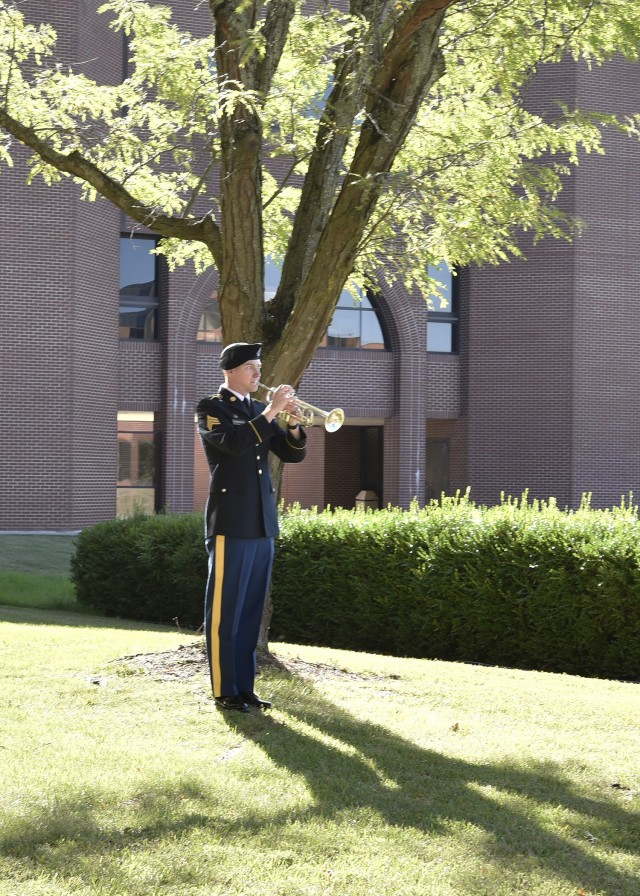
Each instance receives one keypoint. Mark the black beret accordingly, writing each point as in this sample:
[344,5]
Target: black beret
[239,353]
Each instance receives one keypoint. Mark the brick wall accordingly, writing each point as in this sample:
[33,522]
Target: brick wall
[305,483]
[443,386]
[36,353]
[58,366]
[552,341]
[542,396]
[606,334]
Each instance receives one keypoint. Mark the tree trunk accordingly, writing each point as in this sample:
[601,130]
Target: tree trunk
[263,637]
[276,467]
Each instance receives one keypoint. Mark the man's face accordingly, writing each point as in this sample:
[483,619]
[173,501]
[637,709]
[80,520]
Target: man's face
[245,379]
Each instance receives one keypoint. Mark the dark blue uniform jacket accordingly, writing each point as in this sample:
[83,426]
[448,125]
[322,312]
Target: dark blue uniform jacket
[242,499]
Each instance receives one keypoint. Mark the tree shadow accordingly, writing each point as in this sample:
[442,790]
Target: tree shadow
[347,765]
[71,839]
[365,765]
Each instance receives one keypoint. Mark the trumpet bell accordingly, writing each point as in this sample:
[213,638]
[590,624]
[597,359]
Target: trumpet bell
[305,414]
[334,420]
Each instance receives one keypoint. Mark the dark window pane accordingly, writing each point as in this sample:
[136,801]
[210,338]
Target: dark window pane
[136,459]
[442,326]
[438,465]
[210,327]
[137,266]
[138,289]
[146,461]
[372,459]
[124,460]
[137,322]
[138,447]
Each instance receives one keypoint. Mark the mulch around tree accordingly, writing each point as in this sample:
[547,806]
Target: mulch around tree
[190,661]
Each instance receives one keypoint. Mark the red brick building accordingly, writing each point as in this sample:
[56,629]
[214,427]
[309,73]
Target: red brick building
[528,380]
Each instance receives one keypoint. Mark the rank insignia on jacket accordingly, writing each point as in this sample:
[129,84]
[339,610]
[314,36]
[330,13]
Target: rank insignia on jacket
[212,421]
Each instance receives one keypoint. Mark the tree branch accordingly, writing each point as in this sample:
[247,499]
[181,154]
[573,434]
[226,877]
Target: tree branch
[275,31]
[202,229]
[411,63]
[241,291]
[321,181]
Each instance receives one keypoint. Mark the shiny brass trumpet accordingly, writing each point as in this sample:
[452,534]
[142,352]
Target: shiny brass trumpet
[305,413]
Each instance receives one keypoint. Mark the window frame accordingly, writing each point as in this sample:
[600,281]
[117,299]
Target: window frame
[450,317]
[150,303]
[357,308]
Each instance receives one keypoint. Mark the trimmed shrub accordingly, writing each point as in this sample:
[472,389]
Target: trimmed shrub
[144,567]
[521,584]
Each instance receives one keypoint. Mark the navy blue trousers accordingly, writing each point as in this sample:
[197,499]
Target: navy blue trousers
[239,576]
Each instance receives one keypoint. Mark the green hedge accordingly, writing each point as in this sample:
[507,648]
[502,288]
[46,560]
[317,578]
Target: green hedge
[145,567]
[523,584]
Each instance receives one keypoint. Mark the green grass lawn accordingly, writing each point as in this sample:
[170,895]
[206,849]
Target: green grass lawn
[36,553]
[370,775]
[34,572]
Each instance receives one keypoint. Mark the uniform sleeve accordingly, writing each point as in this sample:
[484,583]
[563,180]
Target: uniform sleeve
[284,446]
[216,428]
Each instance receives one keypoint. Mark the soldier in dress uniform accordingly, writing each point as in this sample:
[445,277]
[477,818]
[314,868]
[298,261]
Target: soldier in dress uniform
[241,520]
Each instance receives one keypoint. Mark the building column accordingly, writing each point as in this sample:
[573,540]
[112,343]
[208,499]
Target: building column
[404,432]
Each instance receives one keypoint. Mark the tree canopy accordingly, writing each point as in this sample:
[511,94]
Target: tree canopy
[339,139]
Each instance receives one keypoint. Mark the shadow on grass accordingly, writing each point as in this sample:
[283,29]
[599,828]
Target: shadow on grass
[412,787]
[348,765]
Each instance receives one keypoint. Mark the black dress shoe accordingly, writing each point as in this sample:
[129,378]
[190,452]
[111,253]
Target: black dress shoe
[236,703]
[254,700]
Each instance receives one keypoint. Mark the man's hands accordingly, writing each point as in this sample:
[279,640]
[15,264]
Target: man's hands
[282,400]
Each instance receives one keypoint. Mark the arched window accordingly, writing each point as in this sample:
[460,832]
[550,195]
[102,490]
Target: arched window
[355,322]
[210,326]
